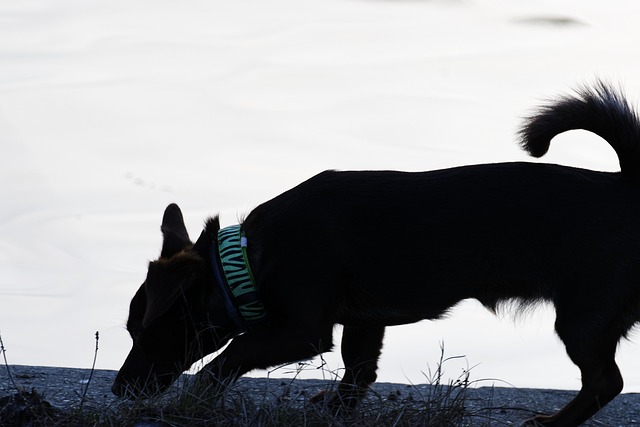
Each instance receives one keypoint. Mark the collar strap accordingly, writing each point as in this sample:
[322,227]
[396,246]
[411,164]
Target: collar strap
[240,291]
[227,297]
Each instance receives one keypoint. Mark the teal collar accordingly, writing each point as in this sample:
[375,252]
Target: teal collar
[232,252]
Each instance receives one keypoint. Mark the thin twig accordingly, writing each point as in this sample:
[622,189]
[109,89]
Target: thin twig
[93,367]
[15,386]
[6,364]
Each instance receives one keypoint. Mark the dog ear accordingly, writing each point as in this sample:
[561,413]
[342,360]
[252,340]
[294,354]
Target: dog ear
[208,236]
[174,231]
[168,279]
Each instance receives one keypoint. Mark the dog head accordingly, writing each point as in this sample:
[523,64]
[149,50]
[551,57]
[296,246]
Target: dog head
[177,316]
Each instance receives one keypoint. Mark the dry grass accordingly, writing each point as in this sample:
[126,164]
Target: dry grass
[275,403]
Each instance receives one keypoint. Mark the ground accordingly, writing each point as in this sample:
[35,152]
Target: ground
[63,388]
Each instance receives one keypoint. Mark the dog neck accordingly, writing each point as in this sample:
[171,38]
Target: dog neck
[233,275]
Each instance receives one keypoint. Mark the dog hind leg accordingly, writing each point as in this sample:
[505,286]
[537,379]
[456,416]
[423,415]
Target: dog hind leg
[594,354]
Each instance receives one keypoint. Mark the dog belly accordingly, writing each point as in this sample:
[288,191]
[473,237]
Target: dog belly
[384,310]
[384,317]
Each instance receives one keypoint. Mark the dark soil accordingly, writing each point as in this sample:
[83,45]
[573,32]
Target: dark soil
[49,392]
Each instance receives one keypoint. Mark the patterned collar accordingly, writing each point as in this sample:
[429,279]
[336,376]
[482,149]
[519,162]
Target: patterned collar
[232,271]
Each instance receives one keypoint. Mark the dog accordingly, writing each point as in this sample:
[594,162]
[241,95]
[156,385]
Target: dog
[371,249]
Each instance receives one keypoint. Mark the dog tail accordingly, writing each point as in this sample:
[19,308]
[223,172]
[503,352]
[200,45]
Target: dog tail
[600,109]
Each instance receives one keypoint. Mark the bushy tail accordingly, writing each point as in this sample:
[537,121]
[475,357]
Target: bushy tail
[600,109]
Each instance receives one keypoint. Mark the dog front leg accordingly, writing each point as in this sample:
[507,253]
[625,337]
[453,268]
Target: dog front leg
[360,352]
[360,349]
[264,347]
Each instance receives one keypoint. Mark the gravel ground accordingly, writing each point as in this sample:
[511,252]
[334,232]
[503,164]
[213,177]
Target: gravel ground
[499,406]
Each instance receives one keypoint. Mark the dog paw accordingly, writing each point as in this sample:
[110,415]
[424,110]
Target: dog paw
[205,383]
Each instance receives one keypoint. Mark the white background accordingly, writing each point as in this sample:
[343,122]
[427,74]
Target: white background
[110,110]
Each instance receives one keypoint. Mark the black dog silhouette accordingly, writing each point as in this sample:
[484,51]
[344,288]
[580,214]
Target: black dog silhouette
[370,249]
